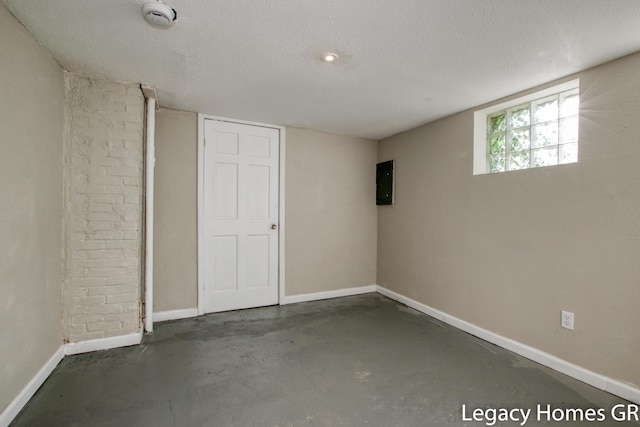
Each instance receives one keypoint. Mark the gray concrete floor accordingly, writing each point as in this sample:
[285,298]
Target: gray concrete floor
[356,361]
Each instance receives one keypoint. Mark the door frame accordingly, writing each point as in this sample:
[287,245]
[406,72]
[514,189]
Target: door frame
[281,223]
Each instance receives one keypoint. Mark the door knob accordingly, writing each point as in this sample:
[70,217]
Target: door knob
[274,226]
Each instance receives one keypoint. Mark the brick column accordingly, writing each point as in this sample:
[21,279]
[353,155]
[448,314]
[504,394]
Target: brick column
[103,221]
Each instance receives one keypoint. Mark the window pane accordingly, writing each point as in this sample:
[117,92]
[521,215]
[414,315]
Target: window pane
[569,103]
[527,134]
[496,164]
[569,153]
[545,110]
[545,134]
[545,156]
[519,140]
[568,130]
[496,144]
[519,117]
[519,160]
[497,123]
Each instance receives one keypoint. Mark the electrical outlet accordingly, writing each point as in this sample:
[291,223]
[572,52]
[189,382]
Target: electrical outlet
[567,320]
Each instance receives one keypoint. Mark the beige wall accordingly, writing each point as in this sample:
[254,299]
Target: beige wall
[330,216]
[31,105]
[103,207]
[508,252]
[175,269]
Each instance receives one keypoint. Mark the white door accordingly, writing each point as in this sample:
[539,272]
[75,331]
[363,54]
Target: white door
[241,172]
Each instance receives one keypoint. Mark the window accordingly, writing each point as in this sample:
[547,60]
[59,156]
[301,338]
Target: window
[540,129]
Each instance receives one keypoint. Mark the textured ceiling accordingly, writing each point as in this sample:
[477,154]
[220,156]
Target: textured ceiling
[402,62]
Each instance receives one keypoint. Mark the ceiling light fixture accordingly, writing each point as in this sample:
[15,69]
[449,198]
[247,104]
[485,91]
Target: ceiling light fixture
[158,13]
[329,58]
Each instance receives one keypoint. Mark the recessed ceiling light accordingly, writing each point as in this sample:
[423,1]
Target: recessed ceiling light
[329,58]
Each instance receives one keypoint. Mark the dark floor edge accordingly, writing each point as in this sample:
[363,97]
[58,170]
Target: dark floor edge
[602,382]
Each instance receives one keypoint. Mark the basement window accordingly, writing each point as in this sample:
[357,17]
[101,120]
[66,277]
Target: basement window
[540,129]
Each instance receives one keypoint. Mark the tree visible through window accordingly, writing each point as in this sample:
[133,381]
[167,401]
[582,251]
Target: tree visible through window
[543,132]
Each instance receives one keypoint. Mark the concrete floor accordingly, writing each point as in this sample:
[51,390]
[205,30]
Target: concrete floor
[355,361]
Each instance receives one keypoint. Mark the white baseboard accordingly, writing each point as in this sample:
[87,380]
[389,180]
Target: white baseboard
[103,343]
[328,294]
[618,388]
[30,389]
[162,316]
[68,349]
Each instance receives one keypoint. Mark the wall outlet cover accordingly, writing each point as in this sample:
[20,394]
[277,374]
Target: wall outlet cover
[567,320]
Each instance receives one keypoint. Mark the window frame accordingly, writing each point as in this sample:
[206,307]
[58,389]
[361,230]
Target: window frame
[480,157]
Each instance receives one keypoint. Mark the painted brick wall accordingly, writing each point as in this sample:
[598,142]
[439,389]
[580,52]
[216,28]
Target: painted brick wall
[102,257]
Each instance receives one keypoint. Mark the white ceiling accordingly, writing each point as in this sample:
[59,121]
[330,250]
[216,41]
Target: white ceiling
[402,62]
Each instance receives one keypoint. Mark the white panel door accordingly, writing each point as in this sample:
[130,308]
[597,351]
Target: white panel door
[241,172]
